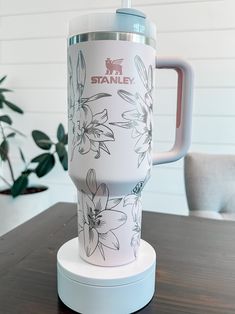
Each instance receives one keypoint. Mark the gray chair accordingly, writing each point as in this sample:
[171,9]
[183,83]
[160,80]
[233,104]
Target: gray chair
[210,185]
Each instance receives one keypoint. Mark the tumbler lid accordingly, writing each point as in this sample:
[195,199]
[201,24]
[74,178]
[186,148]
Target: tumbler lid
[126,20]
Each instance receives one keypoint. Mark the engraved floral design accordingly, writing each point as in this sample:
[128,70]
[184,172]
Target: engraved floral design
[90,131]
[97,219]
[134,199]
[140,118]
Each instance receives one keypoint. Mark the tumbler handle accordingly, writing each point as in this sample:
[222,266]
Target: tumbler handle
[184,110]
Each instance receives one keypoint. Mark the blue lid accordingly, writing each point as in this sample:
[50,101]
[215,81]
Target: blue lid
[131,20]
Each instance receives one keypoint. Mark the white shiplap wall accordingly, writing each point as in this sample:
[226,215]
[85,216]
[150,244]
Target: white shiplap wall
[33,55]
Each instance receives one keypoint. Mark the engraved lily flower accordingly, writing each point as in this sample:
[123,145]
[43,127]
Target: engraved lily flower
[140,118]
[141,126]
[92,133]
[140,121]
[88,130]
[97,219]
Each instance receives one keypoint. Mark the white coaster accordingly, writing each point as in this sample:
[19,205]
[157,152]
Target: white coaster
[90,289]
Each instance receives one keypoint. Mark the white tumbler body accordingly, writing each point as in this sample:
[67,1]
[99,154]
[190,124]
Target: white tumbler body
[110,99]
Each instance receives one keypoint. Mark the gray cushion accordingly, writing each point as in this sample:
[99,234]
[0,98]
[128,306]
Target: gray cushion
[210,185]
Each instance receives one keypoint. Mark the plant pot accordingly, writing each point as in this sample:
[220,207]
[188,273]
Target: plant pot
[15,211]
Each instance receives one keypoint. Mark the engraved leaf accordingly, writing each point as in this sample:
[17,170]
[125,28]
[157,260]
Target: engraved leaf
[141,158]
[81,73]
[100,246]
[100,117]
[104,147]
[125,125]
[141,71]
[141,105]
[137,211]
[95,97]
[113,202]
[127,96]
[142,144]
[131,115]
[101,197]
[91,181]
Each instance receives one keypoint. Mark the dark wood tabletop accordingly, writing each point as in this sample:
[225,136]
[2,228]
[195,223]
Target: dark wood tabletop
[195,257]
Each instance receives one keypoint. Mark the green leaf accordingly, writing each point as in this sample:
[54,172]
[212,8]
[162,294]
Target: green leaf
[22,155]
[4,149]
[64,161]
[39,136]
[39,158]
[2,90]
[62,154]
[19,185]
[60,149]
[45,165]
[6,119]
[60,132]
[3,79]
[13,106]
[12,134]
[45,142]
[65,139]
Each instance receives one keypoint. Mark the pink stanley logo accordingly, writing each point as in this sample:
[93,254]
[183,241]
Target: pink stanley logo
[113,66]
[113,74]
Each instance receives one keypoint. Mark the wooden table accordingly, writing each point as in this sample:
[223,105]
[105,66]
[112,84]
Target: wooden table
[196,263]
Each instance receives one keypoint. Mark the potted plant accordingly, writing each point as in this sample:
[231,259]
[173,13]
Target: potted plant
[18,197]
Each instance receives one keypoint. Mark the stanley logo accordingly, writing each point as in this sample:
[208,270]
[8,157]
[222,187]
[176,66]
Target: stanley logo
[113,74]
[113,66]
